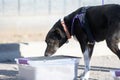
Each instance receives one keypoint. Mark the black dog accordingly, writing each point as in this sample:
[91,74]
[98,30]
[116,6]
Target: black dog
[88,25]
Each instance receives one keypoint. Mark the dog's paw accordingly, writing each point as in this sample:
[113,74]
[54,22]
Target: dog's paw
[83,78]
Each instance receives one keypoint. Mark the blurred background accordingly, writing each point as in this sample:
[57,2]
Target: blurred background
[30,20]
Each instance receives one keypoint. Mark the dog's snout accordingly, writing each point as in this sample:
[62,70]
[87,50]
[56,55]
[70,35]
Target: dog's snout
[50,51]
[45,55]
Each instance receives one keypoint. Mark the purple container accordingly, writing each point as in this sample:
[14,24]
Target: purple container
[117,73]
[23,61]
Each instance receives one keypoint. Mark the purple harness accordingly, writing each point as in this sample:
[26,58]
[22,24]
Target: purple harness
[83,24]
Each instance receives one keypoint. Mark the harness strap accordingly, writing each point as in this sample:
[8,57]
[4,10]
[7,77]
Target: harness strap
[65,28]
[83,24]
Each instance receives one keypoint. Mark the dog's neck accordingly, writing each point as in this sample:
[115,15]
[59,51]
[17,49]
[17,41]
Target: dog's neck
[65,28]
[68,20]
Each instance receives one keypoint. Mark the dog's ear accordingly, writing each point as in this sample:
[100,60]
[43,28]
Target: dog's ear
[60,32]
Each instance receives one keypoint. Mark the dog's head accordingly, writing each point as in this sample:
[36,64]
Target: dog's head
[55,38]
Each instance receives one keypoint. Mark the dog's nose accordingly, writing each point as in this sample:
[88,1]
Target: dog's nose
[46,55]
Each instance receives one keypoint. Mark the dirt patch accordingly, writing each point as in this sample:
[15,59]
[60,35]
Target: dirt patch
[21,36]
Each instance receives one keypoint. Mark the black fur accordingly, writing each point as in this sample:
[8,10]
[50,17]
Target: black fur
[104,23]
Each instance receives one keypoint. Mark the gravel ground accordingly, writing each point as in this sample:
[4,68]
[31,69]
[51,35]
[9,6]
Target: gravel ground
[100,67]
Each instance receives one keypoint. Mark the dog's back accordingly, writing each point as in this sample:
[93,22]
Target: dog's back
[102,19]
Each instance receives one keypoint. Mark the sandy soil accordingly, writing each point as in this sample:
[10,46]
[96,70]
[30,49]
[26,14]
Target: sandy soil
[21,36]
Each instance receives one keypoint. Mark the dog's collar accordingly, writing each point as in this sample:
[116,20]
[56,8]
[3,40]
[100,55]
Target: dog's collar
[65,28]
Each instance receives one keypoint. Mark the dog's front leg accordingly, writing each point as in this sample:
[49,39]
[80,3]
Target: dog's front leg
[87,64]
[87,55]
